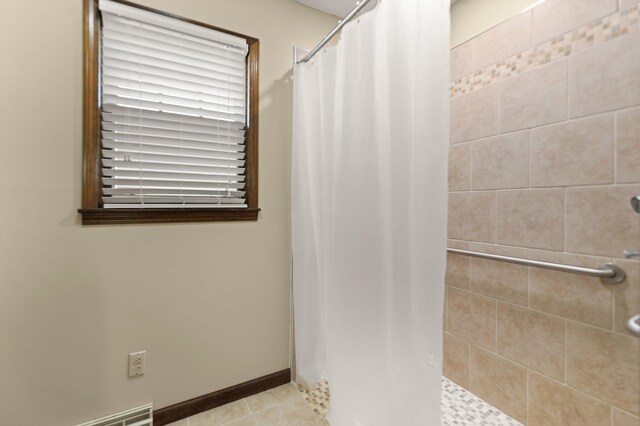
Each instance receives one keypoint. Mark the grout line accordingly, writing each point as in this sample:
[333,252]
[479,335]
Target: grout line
[526,397]
[529,284]
[564,354]
[529,183]
[495,218]
[286,420]
[568,81]
[471,165]
[564,219]
[496,317]
[615,147]
[611,415]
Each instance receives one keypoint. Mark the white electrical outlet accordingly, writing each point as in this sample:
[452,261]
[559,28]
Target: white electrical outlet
[136,363]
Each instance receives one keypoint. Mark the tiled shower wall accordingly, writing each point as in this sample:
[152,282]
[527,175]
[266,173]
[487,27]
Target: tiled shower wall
[544,157]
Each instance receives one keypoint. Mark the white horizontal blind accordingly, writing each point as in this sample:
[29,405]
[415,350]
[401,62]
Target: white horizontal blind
[173,112]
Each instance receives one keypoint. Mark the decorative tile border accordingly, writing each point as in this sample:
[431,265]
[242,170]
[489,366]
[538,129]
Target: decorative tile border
[596,32]
[317,398]
[459,406]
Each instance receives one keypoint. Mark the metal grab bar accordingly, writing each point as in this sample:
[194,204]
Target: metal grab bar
[608,273]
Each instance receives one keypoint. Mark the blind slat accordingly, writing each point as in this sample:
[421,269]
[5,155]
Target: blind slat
[164,192]
[136,113]
[174,54]
[215,175]
[118,119]
[162,101]
[161,154]
[171,162]
[128,75]
[133,58]
[116,166]
[182,135]
[133,82]
[227,199]
[132,139]
[108,205]
[132,102]
[146,70]
[159,184]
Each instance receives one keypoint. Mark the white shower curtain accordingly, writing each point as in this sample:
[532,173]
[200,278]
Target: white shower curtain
[369,215]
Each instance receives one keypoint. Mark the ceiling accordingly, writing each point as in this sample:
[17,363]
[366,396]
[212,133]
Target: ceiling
[335,7]
[338,7]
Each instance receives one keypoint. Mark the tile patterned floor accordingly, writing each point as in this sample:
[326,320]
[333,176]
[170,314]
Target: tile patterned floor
[281,406]
[289,405]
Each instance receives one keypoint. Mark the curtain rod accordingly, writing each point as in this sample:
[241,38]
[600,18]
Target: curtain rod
[344,21]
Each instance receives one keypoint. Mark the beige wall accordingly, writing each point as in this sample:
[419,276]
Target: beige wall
[208,302]
[544,159]
[472,17]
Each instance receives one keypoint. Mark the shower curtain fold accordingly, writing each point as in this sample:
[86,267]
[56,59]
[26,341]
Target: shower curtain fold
[369,215]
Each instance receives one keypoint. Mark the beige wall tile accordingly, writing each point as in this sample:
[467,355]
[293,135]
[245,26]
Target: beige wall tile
[620,418]
[531,218]
[481,222]
[458,267]
[475,115]
[501,383]
[472,216]
[605,365]
[555,17]
[472,317]
[531,339]
[535,98]
[605,77]
[457,215]
[573,296]
[501,280]
[504,40]
[626,296]
[501,162]
[600,220]
[462,60]
[460,167]
[628,145]
[627,3]
[456,359]
[578,152]
[553,404]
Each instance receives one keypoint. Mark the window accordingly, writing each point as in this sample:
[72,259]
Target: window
[170,118]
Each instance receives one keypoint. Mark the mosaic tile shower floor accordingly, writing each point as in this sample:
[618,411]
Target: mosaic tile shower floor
[459,406]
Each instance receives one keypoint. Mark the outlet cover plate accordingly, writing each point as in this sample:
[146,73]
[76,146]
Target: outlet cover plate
[136,363]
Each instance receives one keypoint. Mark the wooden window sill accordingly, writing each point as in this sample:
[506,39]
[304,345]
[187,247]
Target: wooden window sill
[132,216]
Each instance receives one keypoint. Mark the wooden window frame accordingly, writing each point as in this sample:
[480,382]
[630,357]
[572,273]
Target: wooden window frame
[92,211]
